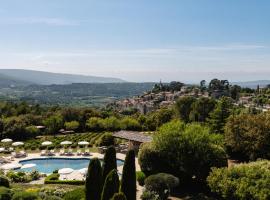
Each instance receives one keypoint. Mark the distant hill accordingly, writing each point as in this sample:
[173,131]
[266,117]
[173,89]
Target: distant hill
[21,76]
[253,84]
[7,81]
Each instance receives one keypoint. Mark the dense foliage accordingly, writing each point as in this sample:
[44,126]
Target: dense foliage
[247,136]
[245,181]
[194,151]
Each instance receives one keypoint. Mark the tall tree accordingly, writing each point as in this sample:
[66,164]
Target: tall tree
[128,183]
[109,162]
[183,107]
[93,182]
[219,116]
[201,109]
[111,185]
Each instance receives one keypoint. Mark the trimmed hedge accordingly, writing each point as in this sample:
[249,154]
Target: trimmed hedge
[54,179]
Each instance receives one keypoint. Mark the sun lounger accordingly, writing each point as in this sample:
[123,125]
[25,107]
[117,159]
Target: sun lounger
[79,152]
[51,152]
[62,152]
[43,153]
[86,153]
[22,154]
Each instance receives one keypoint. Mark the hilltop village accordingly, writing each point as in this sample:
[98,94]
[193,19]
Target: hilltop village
[164,95]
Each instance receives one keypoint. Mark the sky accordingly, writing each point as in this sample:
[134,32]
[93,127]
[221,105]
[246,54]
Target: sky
[138,40]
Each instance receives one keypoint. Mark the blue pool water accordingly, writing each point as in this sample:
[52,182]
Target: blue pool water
[48,165]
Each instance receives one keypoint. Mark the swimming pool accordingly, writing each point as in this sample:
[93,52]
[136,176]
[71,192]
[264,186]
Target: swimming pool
[48,165]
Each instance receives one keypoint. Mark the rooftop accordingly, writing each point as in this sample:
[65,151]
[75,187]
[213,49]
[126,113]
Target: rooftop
[133,136]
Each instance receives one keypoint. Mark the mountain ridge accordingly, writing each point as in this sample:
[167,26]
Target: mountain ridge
[49,78]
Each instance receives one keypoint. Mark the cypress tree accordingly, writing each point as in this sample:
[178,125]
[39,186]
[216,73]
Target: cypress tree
[111,185]
[109,162]
[93,182]
[119,196]
[128,182]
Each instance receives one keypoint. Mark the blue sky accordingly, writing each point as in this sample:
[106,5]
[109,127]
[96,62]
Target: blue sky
[142,40]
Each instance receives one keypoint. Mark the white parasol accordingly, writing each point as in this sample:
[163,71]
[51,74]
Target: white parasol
[65,171]
[15,144]
[6,140]
[83,143]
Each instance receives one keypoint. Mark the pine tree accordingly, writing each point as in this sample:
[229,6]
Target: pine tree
[111,185]
[219,116]
[93,183]
[128,183]
[109,162]
[119,196]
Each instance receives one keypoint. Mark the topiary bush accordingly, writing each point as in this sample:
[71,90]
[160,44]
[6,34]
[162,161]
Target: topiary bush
[158,185]
[128,182]
[140,178]
[109,162]
[5,193]
[25,196]
[241,182]
[4,181]
[111,185]
[93,182]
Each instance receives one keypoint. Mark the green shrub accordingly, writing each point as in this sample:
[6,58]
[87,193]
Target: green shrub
[128,182]
[76,194]
[158,185]
[93,183]
[54,179]
[185,151]
[140,178]
[4,181]
[5,193]
[106,140]
[111,185]
[169,179]
[247,136]
[25,196]
[149,195]
[119,196]
[241,182]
